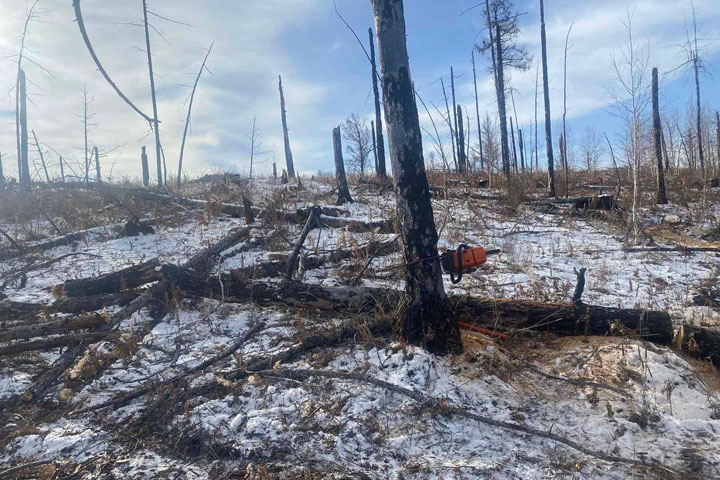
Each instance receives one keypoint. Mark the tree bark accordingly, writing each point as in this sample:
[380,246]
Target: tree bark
[428,321]
[502,110]
[521,143]
[459,146]
[514,150]
[453,143]
[286,136]
[380,168]
[546,96]
[98,175]
[657,132]
[2,173]
[155,122]
[696,64]
[462,157]
[343,190]
[25,171]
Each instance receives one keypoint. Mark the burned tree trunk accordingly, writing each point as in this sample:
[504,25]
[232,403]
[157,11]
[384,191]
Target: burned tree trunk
[286,137]
[477,113]
[24,164]
[98,175]
[696,65]
[563,162]
[428,320]
[514,150]
[661,194]
[462,157]
[379,141]
[502,110]
[2,173]
[155,122]
[521,143]
[42,157]
[374,143]
[546,96]
[343,190]
[145,168]
[459,146]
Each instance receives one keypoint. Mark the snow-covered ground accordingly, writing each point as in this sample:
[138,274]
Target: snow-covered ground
[615,397]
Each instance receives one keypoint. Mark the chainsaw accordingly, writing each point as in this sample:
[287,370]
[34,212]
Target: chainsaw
[465,259]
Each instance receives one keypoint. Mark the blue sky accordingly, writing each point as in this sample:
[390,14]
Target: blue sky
[325,73]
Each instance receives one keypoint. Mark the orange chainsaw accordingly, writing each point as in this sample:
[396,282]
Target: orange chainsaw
[465,259]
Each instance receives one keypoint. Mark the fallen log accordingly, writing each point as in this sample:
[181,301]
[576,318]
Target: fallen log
[127,278]
[598,202]
[503,314]
[702,343]
[53,342]
[17,313]
[204,261]
[52,328]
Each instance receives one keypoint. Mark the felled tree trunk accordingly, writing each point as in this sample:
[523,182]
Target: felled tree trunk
[130,277]
[428,320]
[343,190]
[699,342]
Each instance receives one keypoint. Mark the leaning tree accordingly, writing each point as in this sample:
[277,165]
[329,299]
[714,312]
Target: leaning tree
[428,320]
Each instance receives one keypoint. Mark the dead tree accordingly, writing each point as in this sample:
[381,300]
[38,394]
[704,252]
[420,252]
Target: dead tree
[24,164]
[462,157]
[546,96]
[187,119]
[379,141]
[343,190]
[286,137]
[501,102]
[42,156]
[661,194]
[86,117]
[18,96]
[450,124]
[428,320]
[155,122]
[145,168]
[521,144]
[86,39]
[477,112]
[514,150]
[459,146]
[537,161]
[693,52]
[564,152]
[358,143]
[98,176]
[374,143]
[2,173]
[62,170]
[563,162]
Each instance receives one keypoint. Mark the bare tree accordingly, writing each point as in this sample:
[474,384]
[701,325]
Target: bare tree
[286,136]
[546,95]
[428,321]
[255,146]
[86,121]
[155,122]
[42,156]
[502,44]
[492,149]
[145,167]
[564,117]
[2,173]
[24,163]
[187,119]
[343,190]
[630,69]
[21,56]
[358,143]
[98,175]
[661,194]
[449,122]
[462,155]
[591,148]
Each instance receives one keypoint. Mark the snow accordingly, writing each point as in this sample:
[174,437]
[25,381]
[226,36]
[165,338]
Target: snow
[659,406]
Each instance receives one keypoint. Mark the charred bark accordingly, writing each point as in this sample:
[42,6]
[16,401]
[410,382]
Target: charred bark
[286,136]
[657,132]
[428,320]
[462,157]
[546,96]
[379,141]
[502,110]
[343,190]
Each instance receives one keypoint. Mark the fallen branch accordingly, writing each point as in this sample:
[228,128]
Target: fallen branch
[53,342]
[438,406]
[52,328]
[124,399]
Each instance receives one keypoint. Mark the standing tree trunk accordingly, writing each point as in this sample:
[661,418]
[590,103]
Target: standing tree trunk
[537,162]
[155,122]
[462,158]
[455,120]
[428,320]
[25,165]
[450,124]
[564,153]
[521,143]
[2,174]
[717,166]
[379,141]
[42,157]
[145,168]
[343,190]
[374,144]
[546,95]
[187,119]
[98,176]
[661,194]
[563,162]
[286,137]
[701,153]
[665,149]
[62,170]
[502,110]
[85,135]
[477,112]
[514,150]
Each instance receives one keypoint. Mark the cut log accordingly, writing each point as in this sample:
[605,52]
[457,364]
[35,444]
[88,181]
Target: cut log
[127,278]
[507,315]
[18,313]
[702,343]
